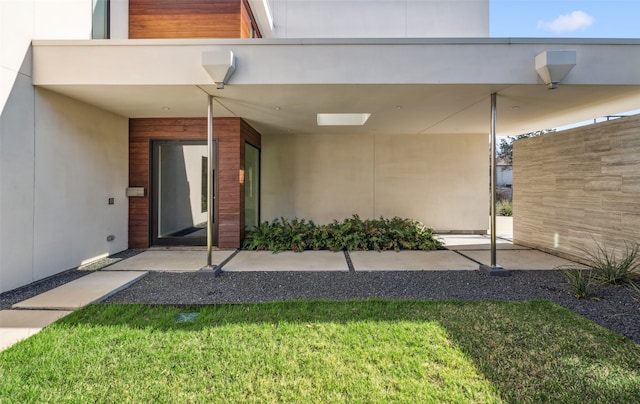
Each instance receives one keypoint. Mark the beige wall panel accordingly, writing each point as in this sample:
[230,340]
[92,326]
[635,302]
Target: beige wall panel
[318,177]
[595,193]
[441,180]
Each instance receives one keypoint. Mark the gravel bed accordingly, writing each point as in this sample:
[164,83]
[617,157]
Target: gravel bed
[616,308]
[7,299]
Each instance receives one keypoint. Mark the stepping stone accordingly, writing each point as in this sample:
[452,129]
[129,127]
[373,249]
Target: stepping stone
[519,259]
[410,261]
[83,291]
[170,261]
[16,325]
[287,261]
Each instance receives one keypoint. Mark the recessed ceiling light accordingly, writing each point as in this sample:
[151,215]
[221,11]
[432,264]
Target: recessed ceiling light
[515,107]
[398,106]
[276,108]
[165,108]
[342,119]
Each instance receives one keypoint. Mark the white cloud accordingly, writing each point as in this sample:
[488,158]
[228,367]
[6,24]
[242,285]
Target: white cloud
[568,22]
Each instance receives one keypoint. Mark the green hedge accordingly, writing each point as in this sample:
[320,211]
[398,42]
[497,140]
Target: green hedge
[351,234]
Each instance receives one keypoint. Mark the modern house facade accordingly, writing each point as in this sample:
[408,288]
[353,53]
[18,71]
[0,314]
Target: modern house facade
[104,117]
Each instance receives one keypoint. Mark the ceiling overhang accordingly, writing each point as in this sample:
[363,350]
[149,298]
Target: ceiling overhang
[409,86]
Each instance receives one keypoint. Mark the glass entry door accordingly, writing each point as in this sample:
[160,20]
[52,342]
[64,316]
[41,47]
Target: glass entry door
[179,194]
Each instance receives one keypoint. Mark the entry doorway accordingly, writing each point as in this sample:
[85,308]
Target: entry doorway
[179,192]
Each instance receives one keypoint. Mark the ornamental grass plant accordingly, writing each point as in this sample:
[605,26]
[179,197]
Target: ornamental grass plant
[604,265]
[612,267]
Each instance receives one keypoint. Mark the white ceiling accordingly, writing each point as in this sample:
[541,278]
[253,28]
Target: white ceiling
[395,109]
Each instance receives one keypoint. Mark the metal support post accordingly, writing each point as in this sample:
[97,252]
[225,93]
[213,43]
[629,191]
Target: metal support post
[210,193]
[493,269]
[493,179]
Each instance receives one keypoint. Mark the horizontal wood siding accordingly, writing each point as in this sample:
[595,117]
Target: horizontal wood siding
[229,203]
[227,131]
[247,20]
[184,19]
[251,136]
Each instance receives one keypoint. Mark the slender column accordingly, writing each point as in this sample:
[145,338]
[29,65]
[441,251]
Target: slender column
[210,202]
[493,180]
[493,269]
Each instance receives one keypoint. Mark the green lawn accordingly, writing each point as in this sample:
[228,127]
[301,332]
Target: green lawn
[358,351]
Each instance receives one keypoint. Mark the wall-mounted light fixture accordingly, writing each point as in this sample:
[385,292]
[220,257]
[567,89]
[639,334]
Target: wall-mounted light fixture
[553,66]
[220,65]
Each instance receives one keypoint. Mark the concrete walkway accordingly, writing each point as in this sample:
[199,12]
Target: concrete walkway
[16,325]
[464,253]
[32,315]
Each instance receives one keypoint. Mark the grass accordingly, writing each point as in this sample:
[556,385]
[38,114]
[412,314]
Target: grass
[357,351]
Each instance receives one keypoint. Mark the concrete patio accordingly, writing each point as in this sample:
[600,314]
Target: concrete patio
[464,252]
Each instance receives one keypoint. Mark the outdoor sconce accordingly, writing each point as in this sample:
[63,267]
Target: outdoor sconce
[220,65]
[553,66]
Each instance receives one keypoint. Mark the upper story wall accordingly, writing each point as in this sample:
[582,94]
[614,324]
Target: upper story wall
[379,18]
[191,19]
[299,18]
[24,20]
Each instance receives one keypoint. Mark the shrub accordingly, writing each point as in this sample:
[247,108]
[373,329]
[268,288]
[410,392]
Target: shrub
[350,234]
[504,208]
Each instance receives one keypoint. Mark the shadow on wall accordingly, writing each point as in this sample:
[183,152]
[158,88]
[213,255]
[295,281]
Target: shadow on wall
[17,172]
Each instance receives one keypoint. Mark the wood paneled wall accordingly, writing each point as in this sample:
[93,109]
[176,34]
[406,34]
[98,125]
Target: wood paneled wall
[251,136]
[230,133]
[190,19]
[576,186]
[247,21]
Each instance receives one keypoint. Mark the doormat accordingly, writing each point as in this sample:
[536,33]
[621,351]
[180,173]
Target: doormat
[184,232]
[186,317]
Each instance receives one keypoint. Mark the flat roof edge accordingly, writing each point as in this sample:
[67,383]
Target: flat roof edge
[338,41]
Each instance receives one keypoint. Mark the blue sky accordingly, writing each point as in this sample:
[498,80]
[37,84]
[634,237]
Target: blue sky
[565,18]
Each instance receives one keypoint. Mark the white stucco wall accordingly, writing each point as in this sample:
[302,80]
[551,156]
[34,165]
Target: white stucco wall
[16,184]
[24,20]
[119,19]
[81,160]
[441,180]
[59,168]
[56,155]
[380,18]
